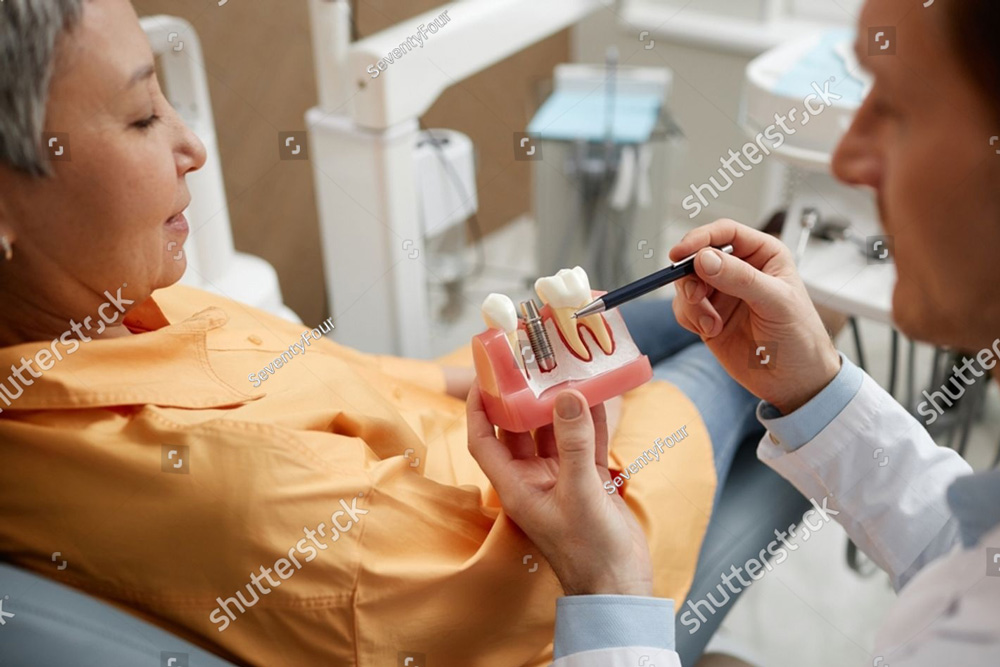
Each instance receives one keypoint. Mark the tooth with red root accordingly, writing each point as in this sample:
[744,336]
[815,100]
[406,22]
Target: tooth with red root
[499,313]
[567,292]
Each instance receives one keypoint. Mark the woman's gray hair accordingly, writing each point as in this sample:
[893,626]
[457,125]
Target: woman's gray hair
[28,33]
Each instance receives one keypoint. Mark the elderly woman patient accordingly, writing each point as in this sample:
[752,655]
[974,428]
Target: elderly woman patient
[332,515]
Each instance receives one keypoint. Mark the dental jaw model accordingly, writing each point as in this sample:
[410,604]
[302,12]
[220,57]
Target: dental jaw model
[522,364]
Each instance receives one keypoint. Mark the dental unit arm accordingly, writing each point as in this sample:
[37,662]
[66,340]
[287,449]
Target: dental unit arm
[520,376]
[362,137]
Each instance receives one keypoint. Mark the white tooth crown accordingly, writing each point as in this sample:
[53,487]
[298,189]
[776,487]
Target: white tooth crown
[565,293]
[569,288]
[499,312]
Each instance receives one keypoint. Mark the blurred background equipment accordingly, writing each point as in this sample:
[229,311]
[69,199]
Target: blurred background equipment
[363,135]
[608,142]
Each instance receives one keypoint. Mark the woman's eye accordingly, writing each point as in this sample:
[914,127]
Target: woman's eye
[146,123]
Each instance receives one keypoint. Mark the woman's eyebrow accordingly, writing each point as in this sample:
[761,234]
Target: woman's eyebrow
[142,74]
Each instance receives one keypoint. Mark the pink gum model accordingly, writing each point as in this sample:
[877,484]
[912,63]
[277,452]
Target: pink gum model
[514,405]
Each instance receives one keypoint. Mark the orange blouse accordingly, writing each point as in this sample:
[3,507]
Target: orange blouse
[330,515]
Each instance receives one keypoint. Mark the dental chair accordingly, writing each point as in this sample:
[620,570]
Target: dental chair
[213,264]
[45,623]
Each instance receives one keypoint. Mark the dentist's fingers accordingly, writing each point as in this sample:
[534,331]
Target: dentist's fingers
[733,276]
[521,445]
[545,442]
[545,437]
[755,247]
[491,455]
[699,318]
[712,314]
[692,289]
[573,426]
[599,415]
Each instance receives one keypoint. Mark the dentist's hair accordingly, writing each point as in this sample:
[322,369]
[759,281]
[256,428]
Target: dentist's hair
[29,30]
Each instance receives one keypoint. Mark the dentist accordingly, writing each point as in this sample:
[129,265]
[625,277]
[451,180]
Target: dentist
[923,142]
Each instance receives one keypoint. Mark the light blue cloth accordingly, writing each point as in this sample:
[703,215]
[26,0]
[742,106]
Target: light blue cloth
[591,622]
[820,65]
[587,623]
[620,621]
[792,431]
[572,115]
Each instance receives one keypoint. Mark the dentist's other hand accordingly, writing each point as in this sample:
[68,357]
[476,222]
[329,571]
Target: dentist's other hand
[737,302]
[552,487]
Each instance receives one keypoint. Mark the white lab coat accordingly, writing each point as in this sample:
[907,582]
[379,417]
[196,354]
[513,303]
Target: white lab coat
[887,478]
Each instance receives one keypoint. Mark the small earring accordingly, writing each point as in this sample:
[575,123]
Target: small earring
[8,249]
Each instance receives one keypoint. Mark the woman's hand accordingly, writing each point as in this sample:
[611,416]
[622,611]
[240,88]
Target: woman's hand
[754,298]
[552,487]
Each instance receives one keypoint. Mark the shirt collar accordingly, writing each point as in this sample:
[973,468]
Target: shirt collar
[975,502]
[161,364]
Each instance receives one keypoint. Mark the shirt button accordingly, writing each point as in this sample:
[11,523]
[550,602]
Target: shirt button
[256,340]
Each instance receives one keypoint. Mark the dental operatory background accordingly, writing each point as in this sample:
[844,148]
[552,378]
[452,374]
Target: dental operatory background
[389,163]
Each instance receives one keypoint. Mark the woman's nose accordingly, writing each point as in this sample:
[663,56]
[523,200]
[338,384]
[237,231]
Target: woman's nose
[857,160]
[190,152]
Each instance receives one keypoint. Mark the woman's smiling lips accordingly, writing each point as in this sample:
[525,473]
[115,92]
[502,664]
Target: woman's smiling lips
[178,223]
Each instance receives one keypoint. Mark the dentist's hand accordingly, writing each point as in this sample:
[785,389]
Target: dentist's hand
[552,487]
[736,302]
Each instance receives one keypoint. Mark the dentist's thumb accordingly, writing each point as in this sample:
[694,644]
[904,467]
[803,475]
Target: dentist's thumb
[573,429]
[736,277]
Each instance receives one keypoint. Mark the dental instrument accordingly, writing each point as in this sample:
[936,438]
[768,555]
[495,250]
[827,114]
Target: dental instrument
[634,290]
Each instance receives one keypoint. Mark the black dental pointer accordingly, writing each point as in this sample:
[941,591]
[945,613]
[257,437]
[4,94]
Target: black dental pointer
[634,290]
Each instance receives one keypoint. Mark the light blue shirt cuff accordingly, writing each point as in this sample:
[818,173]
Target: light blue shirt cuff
[592,622]
[792,431]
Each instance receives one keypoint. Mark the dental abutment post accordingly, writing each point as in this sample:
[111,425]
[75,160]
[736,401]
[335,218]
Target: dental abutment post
[538,337]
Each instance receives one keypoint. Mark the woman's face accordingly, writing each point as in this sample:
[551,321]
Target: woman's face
[108,216]
[922,140]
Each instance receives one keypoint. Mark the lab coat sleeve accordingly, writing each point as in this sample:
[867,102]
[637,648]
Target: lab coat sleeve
[883,477]
[614,631]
